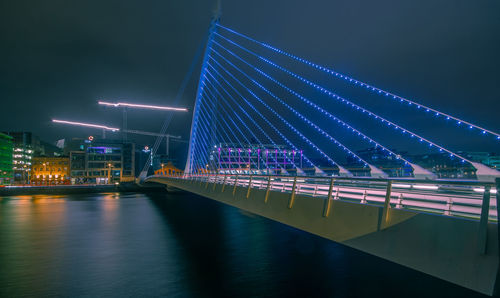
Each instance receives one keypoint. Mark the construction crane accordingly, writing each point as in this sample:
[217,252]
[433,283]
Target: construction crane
[167,137]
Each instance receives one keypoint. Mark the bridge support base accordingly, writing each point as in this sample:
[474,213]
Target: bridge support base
[442,246]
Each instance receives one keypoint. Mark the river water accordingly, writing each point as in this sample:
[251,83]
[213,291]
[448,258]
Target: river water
[182,245]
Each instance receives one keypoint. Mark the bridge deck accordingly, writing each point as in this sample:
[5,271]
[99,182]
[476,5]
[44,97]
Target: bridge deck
[451,198]
[430,226]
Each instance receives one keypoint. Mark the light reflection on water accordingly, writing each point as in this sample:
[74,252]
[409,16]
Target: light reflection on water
[118,245]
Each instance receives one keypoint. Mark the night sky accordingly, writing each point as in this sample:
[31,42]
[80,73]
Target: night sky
[59,57]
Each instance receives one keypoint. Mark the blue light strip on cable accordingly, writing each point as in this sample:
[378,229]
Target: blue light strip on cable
[349,103]
[368,86]
[228,138]
[344,124]
[307,120]
[262,116]
[231,108]
[202,140]
[229,128]
[205,132]
[267,121]
[321,131]
[286,122]
[236,139]
[231,119]
[243,110]
[234,112]
[199,150]
[207,149]
[213,96]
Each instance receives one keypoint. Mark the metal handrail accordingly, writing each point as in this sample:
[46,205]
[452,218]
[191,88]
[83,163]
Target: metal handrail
[394,179]
[445,197]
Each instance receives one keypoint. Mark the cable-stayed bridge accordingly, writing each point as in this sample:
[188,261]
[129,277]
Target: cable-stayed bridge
[270,135]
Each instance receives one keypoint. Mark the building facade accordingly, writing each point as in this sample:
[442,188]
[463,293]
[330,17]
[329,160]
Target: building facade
[50,171]
[25,144]
[6,150]
[252,157]
[168,170]
[102,162]
[494,161]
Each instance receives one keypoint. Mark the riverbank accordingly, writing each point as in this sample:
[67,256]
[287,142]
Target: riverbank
[78,189]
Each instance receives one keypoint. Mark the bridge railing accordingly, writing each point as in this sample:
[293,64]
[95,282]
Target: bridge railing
[467,199]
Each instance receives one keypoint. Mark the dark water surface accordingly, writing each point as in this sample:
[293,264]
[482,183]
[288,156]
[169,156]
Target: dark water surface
[181,245]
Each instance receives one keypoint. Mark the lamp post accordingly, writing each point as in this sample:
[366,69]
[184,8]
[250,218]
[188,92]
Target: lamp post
[163,173]
[110,165]
[44,170]
[25,174]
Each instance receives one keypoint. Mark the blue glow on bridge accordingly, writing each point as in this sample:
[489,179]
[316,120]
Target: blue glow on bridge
[238,102]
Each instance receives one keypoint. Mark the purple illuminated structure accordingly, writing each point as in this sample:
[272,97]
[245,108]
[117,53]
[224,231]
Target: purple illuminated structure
[257,157]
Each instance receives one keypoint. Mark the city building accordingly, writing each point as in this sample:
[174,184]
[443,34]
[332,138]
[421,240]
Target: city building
[273,158]
[494,161]
[47,149]
[445,167]
[379,158]
[168,170]
[490,159]
[482,157]
[25,144]
[101,161]
[6,150]
[50,170]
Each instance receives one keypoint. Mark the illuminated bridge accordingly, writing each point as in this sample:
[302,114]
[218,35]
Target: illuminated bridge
[276,135]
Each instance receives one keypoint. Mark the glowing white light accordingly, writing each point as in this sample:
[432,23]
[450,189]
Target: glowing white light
[133,105]
[434,187]
[401,185]
[492,191]
[86,124]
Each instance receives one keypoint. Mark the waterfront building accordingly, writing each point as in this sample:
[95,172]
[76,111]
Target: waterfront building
[48,149]
[101,161]
[6,150]
[490,159]
[168,170]
[379,158]
[482,157]
[253,157]
[25,144]
[494,161]
[50,170]
[444,166]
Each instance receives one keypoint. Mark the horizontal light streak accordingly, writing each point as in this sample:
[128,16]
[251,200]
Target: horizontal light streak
[433,187]
[492,191]
[401,185]
[86,124]
[141,106]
